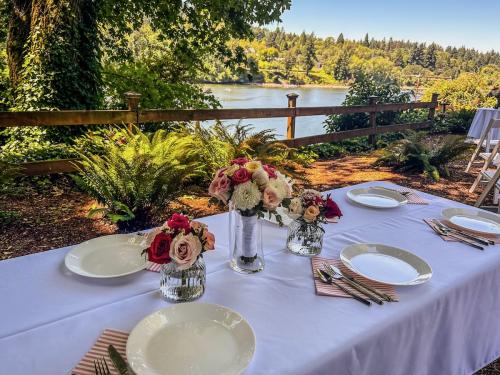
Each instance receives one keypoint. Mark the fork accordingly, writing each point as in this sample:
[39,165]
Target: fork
[101,367]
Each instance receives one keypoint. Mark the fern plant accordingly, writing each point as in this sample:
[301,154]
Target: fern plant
[138,174]
[227,142]
[412,153]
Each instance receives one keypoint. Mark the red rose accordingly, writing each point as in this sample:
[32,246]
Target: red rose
[332,209]
[239,161]
[159,249]
[241,176]
[179,222]
[271,171]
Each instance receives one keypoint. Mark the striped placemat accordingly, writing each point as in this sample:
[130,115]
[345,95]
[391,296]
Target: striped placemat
[324,289]
[100,349]
[413,197]
[151,266]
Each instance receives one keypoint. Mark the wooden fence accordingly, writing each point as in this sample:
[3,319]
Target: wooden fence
[134,115]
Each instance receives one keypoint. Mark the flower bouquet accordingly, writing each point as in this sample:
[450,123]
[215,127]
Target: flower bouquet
[179,245]
[252,190]
[310,210]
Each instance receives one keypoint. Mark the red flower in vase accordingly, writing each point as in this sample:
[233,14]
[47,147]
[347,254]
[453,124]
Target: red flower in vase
[158,251]
[271,171]
[239,161]
[179,222]
[332,209]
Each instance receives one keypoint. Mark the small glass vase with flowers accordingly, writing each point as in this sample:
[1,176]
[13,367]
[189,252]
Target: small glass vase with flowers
[178,246]
[310,210]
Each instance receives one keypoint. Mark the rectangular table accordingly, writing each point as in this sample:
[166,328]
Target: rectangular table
[450,325]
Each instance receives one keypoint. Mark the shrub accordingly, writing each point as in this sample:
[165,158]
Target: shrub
[137,175]
[412,153]
[456,122]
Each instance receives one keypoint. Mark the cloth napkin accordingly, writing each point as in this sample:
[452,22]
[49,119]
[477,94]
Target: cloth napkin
[448,223]
[100,349]
[324,289]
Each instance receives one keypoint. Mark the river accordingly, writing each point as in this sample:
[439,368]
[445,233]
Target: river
[251,96]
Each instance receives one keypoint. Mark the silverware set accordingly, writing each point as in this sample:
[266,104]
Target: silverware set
[473,240]
[330,274]
[101,365]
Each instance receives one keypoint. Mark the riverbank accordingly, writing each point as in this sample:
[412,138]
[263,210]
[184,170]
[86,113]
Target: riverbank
[279,85]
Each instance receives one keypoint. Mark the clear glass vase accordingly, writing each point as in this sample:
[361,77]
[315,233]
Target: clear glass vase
[305,239]
[183,285]
[245,244]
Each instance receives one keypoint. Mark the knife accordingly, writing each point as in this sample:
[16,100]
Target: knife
[369,288]
[326,278]
[481,240]
[119,363]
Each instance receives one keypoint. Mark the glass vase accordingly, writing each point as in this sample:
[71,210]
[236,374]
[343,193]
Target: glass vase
[245,244]
[183,285]
[305,239]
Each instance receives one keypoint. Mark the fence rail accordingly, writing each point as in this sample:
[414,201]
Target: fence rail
[135,115]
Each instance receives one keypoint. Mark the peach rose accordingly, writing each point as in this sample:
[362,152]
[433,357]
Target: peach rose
[219,188]
[271,198]
[209,239]
[311,213]
[197,226]
[184,250]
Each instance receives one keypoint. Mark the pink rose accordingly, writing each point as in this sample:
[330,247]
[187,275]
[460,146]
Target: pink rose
[240,161]
[270,198]
[241,176]
[184,250]
[220,172]
[219,188]
[271,171]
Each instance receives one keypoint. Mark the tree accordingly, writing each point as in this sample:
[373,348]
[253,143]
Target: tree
[340,39]
[62,41]
[417,55]
[366,41]
[341,69]
[430,56]
[309,54]
[289,62]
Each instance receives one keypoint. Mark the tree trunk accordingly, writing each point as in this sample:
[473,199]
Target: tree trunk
[54,54]
[18,34]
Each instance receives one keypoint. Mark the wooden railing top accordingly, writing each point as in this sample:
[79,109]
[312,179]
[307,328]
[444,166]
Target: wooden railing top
[59,118]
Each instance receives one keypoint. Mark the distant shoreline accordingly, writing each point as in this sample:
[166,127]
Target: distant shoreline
[282,85]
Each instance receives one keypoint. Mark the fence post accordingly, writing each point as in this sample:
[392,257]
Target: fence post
[372,139]
[132,99]
[432,110]
[290,125]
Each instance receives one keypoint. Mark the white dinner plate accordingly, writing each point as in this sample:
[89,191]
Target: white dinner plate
[191,338]
[377,197]
[473,219]
[386,264]
[107,256]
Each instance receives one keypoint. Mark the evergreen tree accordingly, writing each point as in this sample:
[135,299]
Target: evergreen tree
[366,41]
[341,69]
[340,39]
[309,55]
[430,57]
[417,55]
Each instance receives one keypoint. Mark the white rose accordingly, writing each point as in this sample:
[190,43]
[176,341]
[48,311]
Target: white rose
[261,178]
[295,207]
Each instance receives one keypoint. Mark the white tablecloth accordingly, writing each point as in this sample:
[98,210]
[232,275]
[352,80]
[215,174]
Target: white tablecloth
[481,120]
[49,317]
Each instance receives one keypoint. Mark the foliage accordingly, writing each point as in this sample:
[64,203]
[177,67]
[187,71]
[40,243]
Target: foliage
[283,57]
[412,153]
[468,91]
[137,175]
[454,122]
[387,91]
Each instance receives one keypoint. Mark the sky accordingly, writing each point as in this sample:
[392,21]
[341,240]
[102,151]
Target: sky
[470,23]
